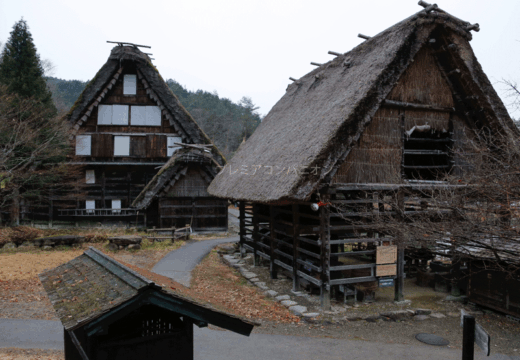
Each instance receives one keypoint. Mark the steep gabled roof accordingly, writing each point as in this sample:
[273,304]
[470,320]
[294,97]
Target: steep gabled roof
[172,171]
[155,86]
[93,284]
[306,135]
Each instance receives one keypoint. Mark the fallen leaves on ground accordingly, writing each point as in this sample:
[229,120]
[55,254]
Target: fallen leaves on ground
[22,266]
[30,354]
[218,284]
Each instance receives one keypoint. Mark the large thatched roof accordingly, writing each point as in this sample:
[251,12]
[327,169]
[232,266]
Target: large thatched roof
[304,138]
[96,89]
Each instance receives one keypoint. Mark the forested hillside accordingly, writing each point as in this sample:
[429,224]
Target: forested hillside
[225,122]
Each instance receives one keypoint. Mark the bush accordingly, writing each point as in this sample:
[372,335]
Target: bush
[19,234]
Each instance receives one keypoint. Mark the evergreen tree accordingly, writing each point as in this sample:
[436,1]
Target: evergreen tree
[21,69]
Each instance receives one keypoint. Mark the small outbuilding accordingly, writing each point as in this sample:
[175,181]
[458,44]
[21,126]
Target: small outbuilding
[110,310]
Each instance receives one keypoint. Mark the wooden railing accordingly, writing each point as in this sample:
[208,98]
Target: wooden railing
[97,212]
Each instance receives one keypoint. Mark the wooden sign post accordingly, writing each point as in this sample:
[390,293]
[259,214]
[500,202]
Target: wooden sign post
[473,333]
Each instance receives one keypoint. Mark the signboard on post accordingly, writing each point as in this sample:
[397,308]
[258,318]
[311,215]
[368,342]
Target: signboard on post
[386,282]
[386,270]
[386,254]
[482,338]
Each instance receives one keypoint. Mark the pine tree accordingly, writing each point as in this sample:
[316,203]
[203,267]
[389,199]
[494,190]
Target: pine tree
[21,69]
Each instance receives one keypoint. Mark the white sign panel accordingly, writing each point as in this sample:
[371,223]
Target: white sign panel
[138,115]
[83,145]
[130,85]
[171,144]
[121,145]
[104,115]
[120,115]
[90,177]
[153,116]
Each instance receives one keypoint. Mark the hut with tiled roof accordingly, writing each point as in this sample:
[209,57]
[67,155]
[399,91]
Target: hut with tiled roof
[111,310]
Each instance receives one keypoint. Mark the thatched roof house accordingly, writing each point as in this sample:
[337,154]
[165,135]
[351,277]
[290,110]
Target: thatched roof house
[127,124]
[156,88]
[361,139]
[112,310]
[306,137]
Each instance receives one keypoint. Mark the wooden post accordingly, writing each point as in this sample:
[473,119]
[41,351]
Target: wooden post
[399,280]
[468,338]
[51,213]
[272,266]
[325,254]
[254,236]
[296,246]
[241,217]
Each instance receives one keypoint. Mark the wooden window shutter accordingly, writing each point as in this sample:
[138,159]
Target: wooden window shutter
[138,146]
[102,145]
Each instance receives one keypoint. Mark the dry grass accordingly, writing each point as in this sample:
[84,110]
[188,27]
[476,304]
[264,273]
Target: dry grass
[30,354]
[219,284]
[22,266]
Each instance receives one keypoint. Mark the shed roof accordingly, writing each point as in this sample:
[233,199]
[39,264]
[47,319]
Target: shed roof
[309,132]
[95,284]
[172,171]
[96,89]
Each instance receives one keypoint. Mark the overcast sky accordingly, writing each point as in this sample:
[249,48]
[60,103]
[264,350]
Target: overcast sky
[244,48]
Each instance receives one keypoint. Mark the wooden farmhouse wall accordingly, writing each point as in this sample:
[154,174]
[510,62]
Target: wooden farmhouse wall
[410,143]
[145,143]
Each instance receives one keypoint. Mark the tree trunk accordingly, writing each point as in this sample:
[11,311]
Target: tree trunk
[15,208]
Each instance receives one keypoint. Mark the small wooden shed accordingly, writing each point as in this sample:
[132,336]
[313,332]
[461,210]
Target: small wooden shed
[366,136]
[178,192]
[493,275]
[110,310]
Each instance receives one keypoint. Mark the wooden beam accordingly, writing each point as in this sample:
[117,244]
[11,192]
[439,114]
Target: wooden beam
[242,234]
[366,37]
[334,53]
[273,272]
[296,245]
[255,239]
[324,230]
[127,43]
[407,105]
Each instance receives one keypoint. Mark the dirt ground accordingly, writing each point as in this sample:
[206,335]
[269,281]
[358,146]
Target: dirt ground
[505,333]
[219,284]
[23,297]
[21,294]
[30,354]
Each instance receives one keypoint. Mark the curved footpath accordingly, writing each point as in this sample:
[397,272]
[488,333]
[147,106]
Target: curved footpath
[178,264]
[220,345]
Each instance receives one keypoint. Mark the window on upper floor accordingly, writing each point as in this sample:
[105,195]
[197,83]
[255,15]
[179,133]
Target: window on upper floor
[90,177]
[129,85]
[116,206]
[83,145]
[113,115]
[145,116]
[121,145]
[90,206]
[171,144]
